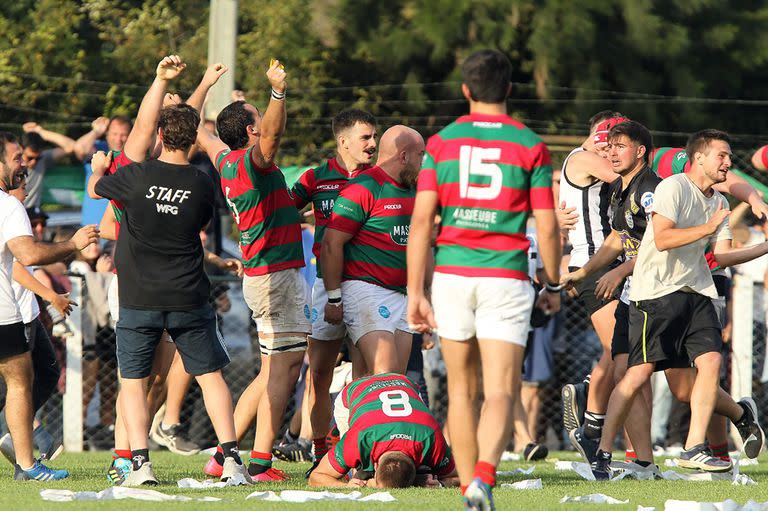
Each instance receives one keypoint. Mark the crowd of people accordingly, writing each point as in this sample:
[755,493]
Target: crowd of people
[460,237]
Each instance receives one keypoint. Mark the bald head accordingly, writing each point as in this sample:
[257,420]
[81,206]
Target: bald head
[401,150]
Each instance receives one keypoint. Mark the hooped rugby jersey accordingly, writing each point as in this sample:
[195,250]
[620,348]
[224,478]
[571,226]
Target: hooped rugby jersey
[490,172]
[264,211]
[377,211]
[387,414]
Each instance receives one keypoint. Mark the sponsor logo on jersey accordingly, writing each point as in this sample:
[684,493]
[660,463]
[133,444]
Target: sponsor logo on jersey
[328,187]
[633,207]
[393,206]
[399,234]
[647,202]
[400,436]
[484,124]
[628,218]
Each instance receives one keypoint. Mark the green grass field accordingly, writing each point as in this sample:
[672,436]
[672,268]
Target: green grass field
[87,473]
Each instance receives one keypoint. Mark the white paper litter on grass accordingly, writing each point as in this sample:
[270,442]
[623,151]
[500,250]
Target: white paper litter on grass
[118,493]
[510,456]
[207,484]
[314,496]
[564,465]
[645,508]
[726,505]
[523,471]
[593,498]
[527,484]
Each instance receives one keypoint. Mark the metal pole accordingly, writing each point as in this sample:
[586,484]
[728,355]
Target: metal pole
[222,47]
[73,395]
[742,341]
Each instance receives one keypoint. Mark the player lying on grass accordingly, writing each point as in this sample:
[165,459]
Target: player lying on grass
[389,432]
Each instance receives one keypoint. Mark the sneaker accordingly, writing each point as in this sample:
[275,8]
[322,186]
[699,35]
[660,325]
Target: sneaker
[235,471]
[18,474]
[478,496]
[40,472]
[119,470]
[574,405]
[751,433]
[271,475]
[144,476]
[601,468]
[6,448]
[700,457]
[212,468]
[586,446]
[296,452]
[535,452]
[171,439]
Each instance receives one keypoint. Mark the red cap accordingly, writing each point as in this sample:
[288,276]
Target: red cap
[601,132]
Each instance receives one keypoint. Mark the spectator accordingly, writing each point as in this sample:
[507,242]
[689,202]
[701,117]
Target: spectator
[38,160]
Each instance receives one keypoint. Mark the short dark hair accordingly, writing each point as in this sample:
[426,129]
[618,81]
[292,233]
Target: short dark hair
[178,124]
[231,124]
[637,133]
[6,137]
[348,117]
[32,141]
[487,74]
[699,141]
[395,470]
[120,119]
[601,116]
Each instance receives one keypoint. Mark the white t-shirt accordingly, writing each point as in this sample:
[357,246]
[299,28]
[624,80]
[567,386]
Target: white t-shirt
[13,223]
[683,268]
[26,301]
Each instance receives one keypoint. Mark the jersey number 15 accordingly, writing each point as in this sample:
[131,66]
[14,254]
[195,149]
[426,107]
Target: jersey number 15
[475,161]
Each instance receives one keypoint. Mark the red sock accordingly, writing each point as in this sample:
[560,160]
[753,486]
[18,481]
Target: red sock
[720,451]
[123,453]
[486,472]
[261,458]
[463,488]
[321,447]
[629,455]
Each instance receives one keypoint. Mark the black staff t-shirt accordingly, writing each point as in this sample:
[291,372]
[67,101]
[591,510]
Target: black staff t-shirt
[159,256]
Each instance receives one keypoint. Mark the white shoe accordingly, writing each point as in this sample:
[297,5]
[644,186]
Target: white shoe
[234,473]
[6,448]
[145,476]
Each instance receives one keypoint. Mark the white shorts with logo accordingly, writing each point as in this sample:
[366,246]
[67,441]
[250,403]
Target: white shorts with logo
[279,301]
[322,330]
[368,307]
[482,307]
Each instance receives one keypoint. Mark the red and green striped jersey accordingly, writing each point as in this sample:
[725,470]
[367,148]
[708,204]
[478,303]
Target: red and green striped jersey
[119,160]
[376,210]
[264,211]
[668,161]
[386,414]
[489,172]
[320,186]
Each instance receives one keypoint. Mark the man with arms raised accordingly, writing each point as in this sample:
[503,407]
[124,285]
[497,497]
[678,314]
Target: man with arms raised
[163,286]
[270,239]
[484,173]
[363,253]
[386,429]
[17,242]
[355,133]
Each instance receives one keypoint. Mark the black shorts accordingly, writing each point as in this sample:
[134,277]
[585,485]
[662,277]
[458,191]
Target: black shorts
[673,330]
[586,289]
[620,341]
[14,340]
[195,332]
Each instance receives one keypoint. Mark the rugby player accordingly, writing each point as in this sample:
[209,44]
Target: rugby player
[485,172]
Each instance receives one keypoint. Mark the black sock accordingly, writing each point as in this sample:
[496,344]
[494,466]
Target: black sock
[218,456]
[593,425]
[643,464]
[743,415]
[139,457]
[231,451]
[255,469]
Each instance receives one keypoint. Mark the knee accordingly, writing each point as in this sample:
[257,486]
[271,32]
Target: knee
[619,370]
[681,392]
[709,363]
[636,376]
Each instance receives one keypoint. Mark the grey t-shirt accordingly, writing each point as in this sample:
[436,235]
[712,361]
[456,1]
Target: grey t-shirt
[35,178]
[683,268]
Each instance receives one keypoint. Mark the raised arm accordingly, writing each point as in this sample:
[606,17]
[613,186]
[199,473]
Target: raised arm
[84,146]
[211,76]
[142,136]
[100,163]
[65,144]
[587,163]
[30,252]
[273,122]
[210,143]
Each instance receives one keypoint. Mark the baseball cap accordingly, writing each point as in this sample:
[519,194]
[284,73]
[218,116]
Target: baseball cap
[602,129]
[36,213]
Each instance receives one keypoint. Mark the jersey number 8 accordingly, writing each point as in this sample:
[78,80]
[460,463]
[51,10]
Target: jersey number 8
[474,161]
[395,403]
